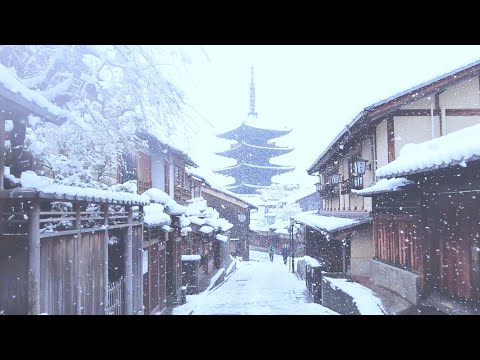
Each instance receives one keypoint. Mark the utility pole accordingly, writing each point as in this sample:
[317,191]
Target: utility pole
[292,224]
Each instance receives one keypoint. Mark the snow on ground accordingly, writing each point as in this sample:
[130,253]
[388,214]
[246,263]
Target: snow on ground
[257,287]
[367,303]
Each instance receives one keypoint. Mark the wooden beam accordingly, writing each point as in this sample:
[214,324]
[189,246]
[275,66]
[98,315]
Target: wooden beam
[33,292]
[391,139]
[105,209]
[2,149]
[437,101]
[128,264]
[140,257]
[436,112]
[78,257]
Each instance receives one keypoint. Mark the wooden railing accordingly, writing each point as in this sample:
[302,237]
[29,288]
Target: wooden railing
[144,186]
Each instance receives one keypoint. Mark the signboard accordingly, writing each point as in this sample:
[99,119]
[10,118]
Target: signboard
[145,262]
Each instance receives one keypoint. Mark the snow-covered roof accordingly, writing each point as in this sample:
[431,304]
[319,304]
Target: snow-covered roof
[221,237]
[197,176]
[190,257]
[153,135]
[161,197]
[233,195]
[456,148]
[13,89]
[329,224]
[155,215]
[298,195]
[30,180]
[185,230]
[272,167]
[206,229]
[157,195]
[310,261]
[384,185]
[400,99]
[243,143]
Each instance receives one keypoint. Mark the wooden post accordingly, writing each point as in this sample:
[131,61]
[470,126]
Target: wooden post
[77,257]
[105,209]
[128,264]
[2,149]
[33,297]
[140,257]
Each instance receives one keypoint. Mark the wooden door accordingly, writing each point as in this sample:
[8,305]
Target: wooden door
[454,228]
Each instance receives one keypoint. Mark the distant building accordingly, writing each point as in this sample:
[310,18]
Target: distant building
[253,151]
[309,202]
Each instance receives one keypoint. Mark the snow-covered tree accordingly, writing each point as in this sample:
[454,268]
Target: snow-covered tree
[114,92]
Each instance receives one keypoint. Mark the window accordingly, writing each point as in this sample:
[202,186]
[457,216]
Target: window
[355,180]
[179,176]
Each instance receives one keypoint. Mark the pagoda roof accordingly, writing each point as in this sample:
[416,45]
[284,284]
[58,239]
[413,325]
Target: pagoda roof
[243,165]
[245,131]
[242,146]
[243,188]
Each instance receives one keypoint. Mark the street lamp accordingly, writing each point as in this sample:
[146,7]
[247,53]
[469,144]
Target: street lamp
[292,224]
[246,251]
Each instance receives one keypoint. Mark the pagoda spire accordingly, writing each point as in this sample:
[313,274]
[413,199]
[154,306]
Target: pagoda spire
[252,97]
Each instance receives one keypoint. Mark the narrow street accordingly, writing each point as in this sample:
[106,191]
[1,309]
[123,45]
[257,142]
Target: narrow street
[257,287]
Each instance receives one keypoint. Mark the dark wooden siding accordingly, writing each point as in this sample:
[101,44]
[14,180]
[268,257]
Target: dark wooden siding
[328,251]
[398,240]
[453,230]
[59,274]
[137,278]
[13,276]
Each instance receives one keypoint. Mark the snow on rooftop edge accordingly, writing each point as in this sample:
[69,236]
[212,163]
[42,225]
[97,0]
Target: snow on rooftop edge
[384,185]
[31,180]
[327,223]
[456,148]
[190,257]
[221,237]
[11,82]
[157,195]
[155,215]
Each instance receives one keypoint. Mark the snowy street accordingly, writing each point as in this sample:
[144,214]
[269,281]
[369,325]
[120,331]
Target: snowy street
[257,287]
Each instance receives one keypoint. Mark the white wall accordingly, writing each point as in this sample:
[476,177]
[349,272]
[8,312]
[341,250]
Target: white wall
[158,171]
[424,103]
[362,251]
[464,95]
[413,129]
[382,145]
[454,123]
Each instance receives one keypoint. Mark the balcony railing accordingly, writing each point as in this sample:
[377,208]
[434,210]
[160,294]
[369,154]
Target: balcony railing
[329,190]
[355,182]
[143,186]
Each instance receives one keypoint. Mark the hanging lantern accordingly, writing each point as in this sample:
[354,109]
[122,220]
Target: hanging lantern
[360,166]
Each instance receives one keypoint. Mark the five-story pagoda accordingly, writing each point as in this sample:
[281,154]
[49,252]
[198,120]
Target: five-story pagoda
[252,151]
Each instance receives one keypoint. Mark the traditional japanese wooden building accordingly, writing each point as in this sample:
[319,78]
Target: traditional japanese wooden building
[376,137]
[430,226]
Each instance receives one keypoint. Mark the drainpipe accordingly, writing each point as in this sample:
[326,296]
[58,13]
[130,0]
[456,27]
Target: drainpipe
[443,119]
[432,118]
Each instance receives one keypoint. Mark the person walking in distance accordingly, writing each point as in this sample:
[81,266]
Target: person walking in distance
[271,251]
[285,253]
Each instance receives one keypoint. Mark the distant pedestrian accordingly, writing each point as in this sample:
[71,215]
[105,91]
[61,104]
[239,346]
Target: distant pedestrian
[285,253]
[271,251]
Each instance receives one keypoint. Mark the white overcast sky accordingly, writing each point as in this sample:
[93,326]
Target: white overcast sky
[315,90]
